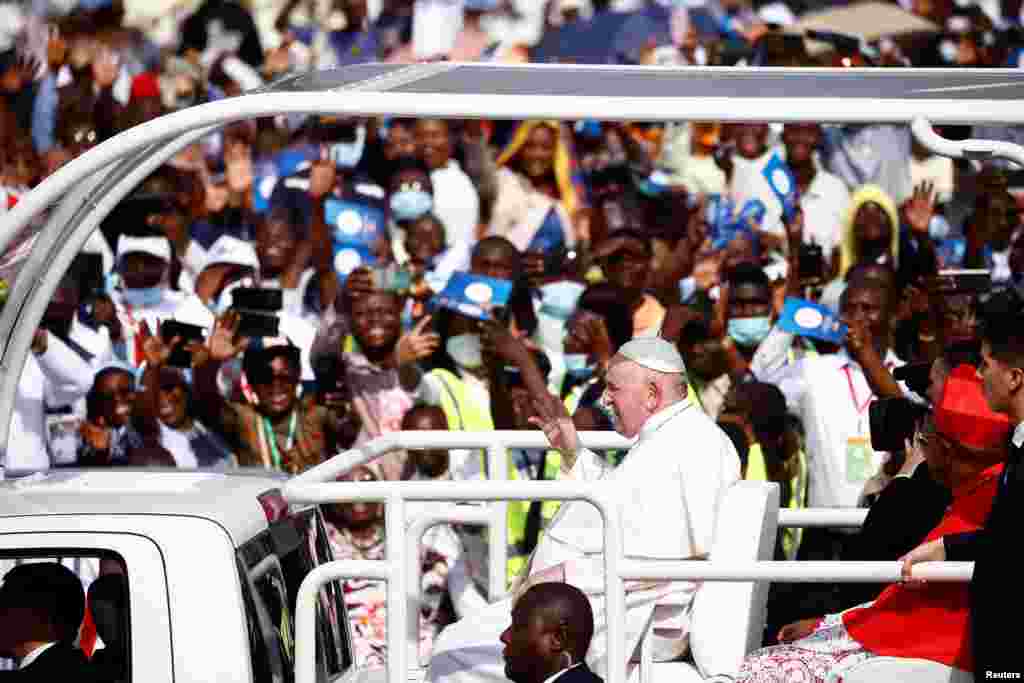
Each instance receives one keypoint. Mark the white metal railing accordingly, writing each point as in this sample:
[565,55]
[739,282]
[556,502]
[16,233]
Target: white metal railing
[495,443]
[392,570]
[617,568]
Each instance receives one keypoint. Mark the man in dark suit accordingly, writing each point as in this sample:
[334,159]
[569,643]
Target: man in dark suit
[41,608]
[996,598]
[552,624]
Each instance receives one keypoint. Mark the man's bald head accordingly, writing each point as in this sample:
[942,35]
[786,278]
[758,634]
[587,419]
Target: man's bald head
[562,606]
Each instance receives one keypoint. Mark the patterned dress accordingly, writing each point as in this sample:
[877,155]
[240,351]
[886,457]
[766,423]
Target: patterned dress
[367,599]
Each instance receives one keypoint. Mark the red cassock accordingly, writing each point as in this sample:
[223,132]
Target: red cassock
[929,622]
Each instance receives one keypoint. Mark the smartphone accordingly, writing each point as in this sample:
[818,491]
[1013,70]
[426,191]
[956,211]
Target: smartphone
[256,324]
[257,299]
[180,358]
[965,281]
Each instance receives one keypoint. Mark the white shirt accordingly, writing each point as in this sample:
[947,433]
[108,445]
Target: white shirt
[60,375]
[659,480]
[178,445]
[34,655]
[1018,435]
[824,205]
[96,342]
[456,203]
[830,395]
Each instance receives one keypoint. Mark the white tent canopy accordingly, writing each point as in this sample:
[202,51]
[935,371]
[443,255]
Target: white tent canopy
[84,191]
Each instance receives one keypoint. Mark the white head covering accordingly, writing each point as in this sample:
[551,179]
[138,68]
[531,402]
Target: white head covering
[228,249]
[654,353]
[159,247]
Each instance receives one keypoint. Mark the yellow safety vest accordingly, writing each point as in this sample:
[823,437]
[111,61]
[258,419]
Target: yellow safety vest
[466,414]
[757,471]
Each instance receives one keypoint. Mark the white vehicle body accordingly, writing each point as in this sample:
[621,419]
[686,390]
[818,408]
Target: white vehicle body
[192,543]
[69,205]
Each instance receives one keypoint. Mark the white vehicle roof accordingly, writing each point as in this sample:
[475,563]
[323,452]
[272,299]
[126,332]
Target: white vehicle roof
[228,499]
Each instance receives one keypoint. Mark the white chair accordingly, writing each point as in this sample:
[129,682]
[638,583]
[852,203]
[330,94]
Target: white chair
[728,617]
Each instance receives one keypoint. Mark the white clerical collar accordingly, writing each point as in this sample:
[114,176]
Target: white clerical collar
[654,422]
[34,655]
[1018,436]
[554,676]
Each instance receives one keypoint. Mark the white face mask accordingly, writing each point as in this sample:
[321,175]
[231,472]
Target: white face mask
[465,350]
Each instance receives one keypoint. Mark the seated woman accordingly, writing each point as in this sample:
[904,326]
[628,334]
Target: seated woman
[356,532]
[964,446]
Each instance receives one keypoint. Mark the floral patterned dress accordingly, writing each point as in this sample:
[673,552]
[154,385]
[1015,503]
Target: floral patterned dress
[367,599]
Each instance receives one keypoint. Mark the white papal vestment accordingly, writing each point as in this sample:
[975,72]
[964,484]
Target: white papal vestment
[670,487]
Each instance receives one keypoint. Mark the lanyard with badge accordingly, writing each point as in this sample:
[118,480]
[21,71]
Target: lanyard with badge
[268,440]
[859,454]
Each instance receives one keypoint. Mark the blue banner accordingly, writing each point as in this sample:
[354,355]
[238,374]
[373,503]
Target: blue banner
[808,319]
[354,223]
[474,296]
[780,179]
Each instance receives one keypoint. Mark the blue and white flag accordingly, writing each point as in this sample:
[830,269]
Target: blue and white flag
[780,179]
[474,296]
[808,319]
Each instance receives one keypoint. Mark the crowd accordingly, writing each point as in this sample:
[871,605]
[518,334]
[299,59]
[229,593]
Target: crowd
[293,286]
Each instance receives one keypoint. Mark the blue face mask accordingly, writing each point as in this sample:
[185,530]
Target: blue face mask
[749,332]
[577,367]
[407,205]
[143,298]
[558,299]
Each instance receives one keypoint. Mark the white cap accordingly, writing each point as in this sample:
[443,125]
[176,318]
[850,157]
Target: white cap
[159,247]
[653,353]
[777,13]
[228,249]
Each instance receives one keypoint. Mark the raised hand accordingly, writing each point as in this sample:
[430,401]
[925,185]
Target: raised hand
[225,343]
[556,423]
[96,434]
[498,341]
[238,171]
[919,209]
[154,350]
[322,178]
[418,343]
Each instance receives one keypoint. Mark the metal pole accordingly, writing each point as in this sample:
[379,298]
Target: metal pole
[981,150]
[394,529]
[305,606]
[497,530]
[822,517]
[414,576]
[793,572]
